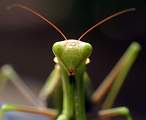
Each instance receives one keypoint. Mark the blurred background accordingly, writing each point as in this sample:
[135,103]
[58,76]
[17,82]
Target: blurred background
[26,41]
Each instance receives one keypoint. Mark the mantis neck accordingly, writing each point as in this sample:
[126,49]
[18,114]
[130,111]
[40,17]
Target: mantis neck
[74,94]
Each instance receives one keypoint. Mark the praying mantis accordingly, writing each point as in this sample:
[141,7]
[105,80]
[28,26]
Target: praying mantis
[70,76]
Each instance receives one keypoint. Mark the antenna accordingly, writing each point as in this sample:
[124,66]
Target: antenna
[40,16]
[105,20]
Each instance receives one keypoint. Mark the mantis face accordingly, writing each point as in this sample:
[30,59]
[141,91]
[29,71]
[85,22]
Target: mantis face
[71,54]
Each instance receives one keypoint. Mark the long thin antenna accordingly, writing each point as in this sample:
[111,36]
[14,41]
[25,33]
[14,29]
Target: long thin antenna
[37,14]
[106,19]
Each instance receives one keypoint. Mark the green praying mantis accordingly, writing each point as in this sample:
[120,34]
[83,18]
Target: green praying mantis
[70,77]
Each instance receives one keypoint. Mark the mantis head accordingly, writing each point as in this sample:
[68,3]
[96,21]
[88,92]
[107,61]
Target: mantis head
[71,54]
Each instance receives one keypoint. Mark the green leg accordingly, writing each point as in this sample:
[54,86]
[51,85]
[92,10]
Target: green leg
[52,82]
[79,94]
[88,86]
[128,60]
[36,110]
[8,73]
[52,89]
[68,99]
[115,112]
[116,77]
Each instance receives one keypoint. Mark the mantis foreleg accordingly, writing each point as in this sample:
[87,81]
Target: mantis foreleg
[68,99]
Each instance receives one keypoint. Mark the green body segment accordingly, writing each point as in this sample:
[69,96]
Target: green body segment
[72,56]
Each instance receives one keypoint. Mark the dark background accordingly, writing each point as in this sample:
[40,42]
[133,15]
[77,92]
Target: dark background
[25,41]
